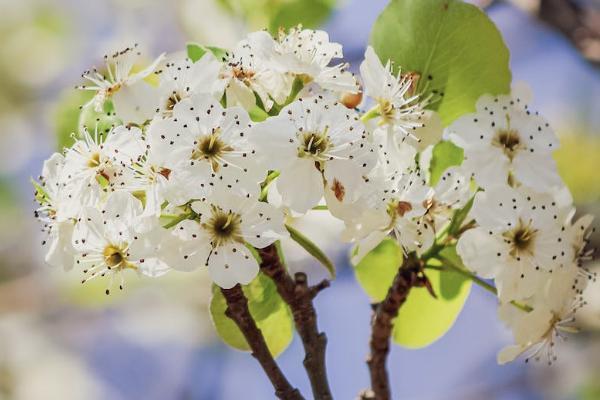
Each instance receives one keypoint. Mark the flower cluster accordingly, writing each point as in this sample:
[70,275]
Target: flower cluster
[212,155]
[526,239]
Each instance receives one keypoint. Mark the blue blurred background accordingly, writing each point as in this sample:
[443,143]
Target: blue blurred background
[62,340]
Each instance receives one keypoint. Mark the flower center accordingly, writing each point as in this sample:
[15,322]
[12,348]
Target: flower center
[508,141]
[172,101]
[522,239]
[242,74]
[211,148]
[224,227]
[94,161]
[114,257]
[386,110]
[314,145]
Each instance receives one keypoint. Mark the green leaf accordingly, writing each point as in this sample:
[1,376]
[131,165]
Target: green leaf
[376,271]
[272,316]
[312,249]
[196,51]
[445,155]
[454,46]
[257,114]
[423,319]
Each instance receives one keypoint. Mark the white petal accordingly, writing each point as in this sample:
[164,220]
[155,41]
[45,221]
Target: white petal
[301,185]
[479,252]
[263,225]
[232,264]
[536,170]
[509,353]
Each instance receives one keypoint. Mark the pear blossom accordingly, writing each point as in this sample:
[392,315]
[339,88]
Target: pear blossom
[100,163]
[181,78]
[203,141]
[217,233]
[401,111]
[307,54]
[248,71]
[396,204]
[316,145]
[520,239]
[550,317]
[118,80]
[207,159]
[57,212]
[451,193]
[505,143]
[115,239]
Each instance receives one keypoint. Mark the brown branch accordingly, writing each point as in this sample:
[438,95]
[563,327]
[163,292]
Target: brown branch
[410,274]
[298,295]
[237,310]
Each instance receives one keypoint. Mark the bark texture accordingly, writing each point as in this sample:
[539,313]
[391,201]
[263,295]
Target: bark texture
[237,310]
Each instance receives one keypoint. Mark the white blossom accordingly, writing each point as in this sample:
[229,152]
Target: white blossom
[316,145]
[218,232]
[249,70]
[400,110]
[520,239]
[100,163]
[116,82]
[181,78]
[115,239]
[202,142]
[396,203]
[307,54]
[506,143]
[58,209]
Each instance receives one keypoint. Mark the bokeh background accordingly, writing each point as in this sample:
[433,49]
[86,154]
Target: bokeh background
[62,340]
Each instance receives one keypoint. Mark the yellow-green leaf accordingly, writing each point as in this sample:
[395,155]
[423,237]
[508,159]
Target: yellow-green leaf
[444,155]
[312,249]
[376,271]
[454,47]
[273,317]
[424,319]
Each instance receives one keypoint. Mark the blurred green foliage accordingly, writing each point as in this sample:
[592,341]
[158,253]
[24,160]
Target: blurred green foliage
[275,14]
[578,163]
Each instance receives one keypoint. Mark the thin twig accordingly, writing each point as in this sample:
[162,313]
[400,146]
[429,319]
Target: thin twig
[410,274]
[237,310]
[298,295]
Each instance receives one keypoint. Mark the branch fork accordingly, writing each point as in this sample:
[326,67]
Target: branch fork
[299,295]
[237,310]
[410,274]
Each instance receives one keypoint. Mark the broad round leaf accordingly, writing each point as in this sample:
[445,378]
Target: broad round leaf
[376,271]
[444,155]
[423,319]
[454,46]
[271,314]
